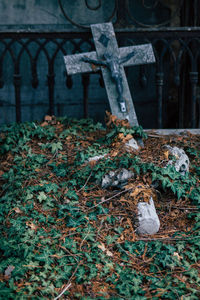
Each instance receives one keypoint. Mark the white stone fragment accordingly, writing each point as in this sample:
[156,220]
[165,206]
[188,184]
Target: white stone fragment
[149,222]
[97,157]
[182,161]
[116,178]
[132,145]
[9,270]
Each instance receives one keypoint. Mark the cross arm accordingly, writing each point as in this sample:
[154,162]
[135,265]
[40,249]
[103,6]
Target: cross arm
[75,63]
[126,58]
[94,61]
[143,55]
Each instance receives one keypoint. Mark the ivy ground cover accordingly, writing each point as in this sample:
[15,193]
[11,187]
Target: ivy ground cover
[64,237]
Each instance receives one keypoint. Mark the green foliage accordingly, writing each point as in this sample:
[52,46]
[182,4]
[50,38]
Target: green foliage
[136,131]
[50,234]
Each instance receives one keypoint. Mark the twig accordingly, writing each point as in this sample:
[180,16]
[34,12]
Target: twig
[185,208]
[70,254]
[84,238]
[155,136]
[106,200]
[68,284]
[66,288]
[85,182]
[170,238]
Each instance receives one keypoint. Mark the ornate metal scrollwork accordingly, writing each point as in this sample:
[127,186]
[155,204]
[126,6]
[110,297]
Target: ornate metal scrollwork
[151,6]
[130,14]
[90,7]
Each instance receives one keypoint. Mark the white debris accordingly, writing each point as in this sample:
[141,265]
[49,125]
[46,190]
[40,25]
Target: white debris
[181,162]
[97,157]
[116,178]
[149,222]
[9,270]
[132,145]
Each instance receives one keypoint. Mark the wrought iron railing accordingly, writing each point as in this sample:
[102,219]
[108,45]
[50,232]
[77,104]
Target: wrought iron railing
[175,75]
[179,47]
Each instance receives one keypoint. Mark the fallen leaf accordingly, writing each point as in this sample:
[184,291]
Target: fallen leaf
[109,253]
[48,118]
[166,154]
[121,136]
[128,137]
[102,247]
[31,225]
[44,124]
[177,255]
[17,210]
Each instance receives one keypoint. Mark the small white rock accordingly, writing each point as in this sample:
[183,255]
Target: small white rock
[116,178]
[149,222]
[97,157]
[132,144]
[182,161]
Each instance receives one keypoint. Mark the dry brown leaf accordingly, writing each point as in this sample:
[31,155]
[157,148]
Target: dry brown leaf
[48,118]
[114,153]
[121,136]
[166,154]
[44,124]
[31,225]
[128,137]
[17,210]
[102,247]
[109,253]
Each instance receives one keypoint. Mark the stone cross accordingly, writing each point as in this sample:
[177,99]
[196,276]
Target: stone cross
[112,60]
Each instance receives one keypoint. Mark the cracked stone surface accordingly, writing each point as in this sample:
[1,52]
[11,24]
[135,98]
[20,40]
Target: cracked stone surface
[116,178]
[182,161]
[149,222]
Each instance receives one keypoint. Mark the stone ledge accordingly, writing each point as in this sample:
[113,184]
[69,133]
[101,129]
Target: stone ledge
[173,131]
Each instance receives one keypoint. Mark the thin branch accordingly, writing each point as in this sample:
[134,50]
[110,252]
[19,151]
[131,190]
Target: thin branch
[85,182]
[185,208]
[106,200]
[66,288]
[68,284]
[155,135]
[170,238]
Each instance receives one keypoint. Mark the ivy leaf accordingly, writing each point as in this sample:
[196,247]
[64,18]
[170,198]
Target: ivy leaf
[180,192]
[42,197]
[110,239]
[55,147]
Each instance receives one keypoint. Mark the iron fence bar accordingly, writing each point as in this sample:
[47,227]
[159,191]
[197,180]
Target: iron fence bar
[85,83]
[51,29]
[194,80]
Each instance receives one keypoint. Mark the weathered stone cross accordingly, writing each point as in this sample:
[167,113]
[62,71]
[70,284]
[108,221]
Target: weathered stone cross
[112,60]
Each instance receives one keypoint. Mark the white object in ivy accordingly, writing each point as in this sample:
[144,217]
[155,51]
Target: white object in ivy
[149,222]
[97,157]
[181,162]
[116,178]
[132,145]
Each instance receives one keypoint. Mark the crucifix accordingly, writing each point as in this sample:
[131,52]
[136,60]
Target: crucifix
[112,60]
